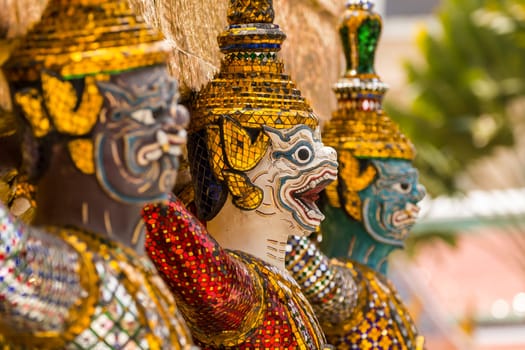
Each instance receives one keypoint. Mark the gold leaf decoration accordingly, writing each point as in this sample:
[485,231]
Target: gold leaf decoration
[215,151]
[241,153]
[354,181]
[81,152]
[246,195]
[31,103]
[61,101]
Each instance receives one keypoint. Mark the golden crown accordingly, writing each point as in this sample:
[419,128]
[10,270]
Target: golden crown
[359,124]
[359,128]
[77,38]
[251,86]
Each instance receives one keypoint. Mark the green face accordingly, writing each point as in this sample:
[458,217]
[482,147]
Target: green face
[389,204]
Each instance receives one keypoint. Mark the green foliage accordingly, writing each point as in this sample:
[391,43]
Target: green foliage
[474,68]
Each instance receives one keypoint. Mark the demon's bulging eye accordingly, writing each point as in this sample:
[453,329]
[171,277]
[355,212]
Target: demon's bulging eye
[144,116]
[303,154]
[402,187]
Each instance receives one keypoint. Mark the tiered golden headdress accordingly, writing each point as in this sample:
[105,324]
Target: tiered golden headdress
[359,128]
[77,39]
[250,91]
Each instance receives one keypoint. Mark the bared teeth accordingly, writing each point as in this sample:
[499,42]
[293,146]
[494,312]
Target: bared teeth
[162,137]
[405,217]
[153,155]
[307,195]
[314,183]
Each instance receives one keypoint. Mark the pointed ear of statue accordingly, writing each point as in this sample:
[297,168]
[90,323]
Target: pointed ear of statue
[242,152]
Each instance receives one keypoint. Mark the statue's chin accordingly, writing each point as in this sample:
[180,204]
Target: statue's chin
[275,213]
[392,237]
[399,233]
[298,230]
[301,224]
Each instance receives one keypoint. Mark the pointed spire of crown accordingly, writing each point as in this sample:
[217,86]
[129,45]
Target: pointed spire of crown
[360,125]
[360,30]
[242,11]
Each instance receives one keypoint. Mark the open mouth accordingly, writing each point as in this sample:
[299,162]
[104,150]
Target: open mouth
[307,195]
[166,144]
[406,216]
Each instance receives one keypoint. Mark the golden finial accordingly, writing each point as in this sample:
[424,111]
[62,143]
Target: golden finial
[250,91]
[360,128]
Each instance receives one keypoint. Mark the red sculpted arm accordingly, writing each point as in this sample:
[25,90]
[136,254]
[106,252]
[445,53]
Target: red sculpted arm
[215,292]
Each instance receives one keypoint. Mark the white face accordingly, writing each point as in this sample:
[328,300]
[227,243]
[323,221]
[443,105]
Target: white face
[294,170]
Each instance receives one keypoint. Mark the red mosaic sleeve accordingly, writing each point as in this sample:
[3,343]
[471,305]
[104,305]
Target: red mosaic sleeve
[214,291]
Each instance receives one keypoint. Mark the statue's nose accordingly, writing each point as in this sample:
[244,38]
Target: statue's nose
[329,153]
[421,192]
